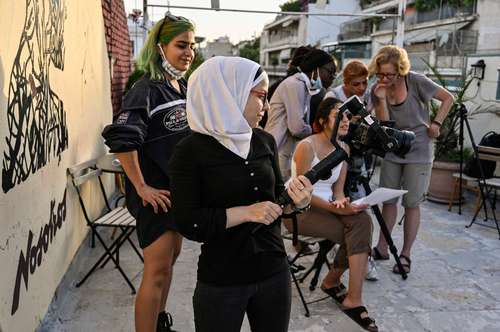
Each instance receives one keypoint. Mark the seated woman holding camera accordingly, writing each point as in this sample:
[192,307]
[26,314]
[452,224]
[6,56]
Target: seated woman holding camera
[334,217]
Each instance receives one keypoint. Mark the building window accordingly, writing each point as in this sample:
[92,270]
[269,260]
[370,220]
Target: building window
[498,85]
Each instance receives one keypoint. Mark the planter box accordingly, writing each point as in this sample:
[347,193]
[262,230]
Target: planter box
[442,182]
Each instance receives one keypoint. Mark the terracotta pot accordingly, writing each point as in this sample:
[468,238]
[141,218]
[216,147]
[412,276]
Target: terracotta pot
[442,182]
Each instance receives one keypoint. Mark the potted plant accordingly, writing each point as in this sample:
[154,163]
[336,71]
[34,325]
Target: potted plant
[447,145]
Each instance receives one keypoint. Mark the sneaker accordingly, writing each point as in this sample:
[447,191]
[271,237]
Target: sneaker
[164,323]
[371,271]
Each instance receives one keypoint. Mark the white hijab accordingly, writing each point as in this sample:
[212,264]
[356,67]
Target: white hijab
[217,94]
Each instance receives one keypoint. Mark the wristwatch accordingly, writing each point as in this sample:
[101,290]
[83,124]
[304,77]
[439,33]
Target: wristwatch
[302,210]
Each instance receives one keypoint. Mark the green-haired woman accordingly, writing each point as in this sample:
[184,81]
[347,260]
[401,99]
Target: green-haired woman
[150,123]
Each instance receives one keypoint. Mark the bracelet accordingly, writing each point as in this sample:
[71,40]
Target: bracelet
[302,210]
[437,122]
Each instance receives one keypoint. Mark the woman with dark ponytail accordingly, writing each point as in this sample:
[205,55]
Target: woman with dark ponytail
[289,113]
[143,135]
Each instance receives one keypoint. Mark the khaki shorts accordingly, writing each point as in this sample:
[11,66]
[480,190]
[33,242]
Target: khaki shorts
[412,177]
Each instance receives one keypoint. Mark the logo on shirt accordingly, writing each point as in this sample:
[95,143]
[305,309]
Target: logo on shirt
[175,120]
[122,118]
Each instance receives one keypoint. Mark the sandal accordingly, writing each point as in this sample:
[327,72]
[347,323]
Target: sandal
[365,322]
[378,256]
[337,293]
[406,266]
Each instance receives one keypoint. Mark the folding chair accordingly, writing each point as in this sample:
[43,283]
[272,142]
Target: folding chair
[118,218]
[321,258]
[488,187]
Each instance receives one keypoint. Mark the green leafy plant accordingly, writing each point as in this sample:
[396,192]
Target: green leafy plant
[291,6]
[251,50]
[447,146]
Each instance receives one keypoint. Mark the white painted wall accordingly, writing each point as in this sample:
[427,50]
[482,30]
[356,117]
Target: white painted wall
[324,29]
[484,96]
[83,86]
[488,25]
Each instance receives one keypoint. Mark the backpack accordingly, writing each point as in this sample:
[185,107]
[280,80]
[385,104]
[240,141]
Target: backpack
[492,139]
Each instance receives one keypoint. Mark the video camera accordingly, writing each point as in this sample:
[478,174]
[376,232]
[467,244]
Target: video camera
[372,136]
[382,139]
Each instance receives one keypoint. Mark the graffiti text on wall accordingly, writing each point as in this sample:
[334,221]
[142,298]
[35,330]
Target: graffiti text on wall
[35,114]
[33,256]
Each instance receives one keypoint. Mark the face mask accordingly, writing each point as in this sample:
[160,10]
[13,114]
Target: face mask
[176,74]
[316,84]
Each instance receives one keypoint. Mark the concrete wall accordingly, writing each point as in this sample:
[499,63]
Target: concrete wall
[487,25]
[54,101]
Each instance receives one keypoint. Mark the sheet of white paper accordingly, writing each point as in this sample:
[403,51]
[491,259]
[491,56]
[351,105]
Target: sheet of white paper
[380,195]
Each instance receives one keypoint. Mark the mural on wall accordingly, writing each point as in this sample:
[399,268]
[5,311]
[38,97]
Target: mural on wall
[37,130]
[30,259]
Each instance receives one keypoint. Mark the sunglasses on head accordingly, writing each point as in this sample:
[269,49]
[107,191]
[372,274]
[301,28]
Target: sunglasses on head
[171,18]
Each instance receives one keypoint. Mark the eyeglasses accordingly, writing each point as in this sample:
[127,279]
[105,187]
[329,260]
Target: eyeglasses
[346,114]
[330,71]
[171,18]
[388,75]
[261,94]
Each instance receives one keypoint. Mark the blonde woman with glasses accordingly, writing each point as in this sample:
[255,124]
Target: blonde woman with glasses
[403,95]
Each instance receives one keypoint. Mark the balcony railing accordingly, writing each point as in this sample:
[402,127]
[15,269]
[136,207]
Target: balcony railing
[355,29]
[416,17]
[441,13]
[282,39]
[371,3]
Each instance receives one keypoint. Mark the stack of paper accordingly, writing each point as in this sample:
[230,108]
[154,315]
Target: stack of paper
[380,195]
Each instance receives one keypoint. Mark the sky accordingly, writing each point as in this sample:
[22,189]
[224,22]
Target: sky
[211,24]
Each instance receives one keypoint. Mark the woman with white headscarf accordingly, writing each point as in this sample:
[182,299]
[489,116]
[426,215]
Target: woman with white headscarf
[225,178]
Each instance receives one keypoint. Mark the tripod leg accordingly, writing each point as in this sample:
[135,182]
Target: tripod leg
[385,230]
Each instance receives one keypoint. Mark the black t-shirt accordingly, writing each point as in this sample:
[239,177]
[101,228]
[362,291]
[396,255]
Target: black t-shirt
[207,179]
[152,120]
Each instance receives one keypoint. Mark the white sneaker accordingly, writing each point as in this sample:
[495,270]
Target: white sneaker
[371,271]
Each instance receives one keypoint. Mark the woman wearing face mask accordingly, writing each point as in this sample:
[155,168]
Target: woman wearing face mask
[333,217]
[143,135]
[403,96]
[289,113]
[225,178]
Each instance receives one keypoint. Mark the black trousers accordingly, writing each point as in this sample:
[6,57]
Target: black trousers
[222,308]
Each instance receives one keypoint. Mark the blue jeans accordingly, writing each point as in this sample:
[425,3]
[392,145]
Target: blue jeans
[221,308]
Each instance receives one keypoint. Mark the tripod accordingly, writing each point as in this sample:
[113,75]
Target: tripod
[365,182]
[463,120]
[462,109]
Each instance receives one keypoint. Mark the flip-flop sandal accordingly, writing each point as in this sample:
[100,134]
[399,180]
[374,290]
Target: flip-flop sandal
[366,323]
[406,266]
[337,293]
[378,256]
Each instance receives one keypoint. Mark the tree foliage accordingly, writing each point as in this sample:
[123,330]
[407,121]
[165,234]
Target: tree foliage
[251,50]
[291,6]
[198,60]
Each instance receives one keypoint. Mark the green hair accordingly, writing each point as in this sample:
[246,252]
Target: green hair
[149,60]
